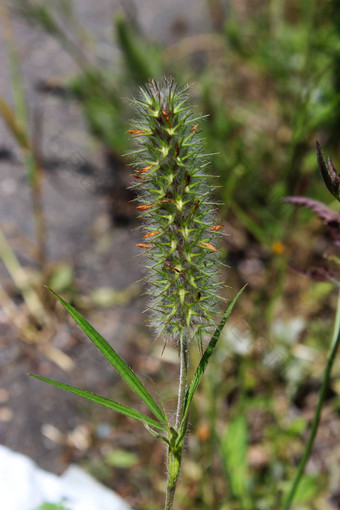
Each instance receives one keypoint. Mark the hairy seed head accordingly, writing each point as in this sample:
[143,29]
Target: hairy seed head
[178,214]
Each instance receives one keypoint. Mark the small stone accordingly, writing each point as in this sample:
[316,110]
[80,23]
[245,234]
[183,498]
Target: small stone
[6,414]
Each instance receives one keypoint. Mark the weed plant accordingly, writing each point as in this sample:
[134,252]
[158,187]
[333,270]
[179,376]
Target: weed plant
[268,79]
[180,241]
[182,267]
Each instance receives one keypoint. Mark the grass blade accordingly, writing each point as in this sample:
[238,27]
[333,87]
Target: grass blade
[13,124]
[234,448]
[205,358]
[116,361]
[120,408]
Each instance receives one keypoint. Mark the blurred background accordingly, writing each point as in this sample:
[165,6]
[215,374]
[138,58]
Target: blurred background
[267,75]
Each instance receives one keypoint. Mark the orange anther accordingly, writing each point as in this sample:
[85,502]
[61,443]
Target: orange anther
[208,245]
[166,115]
[136,131]
[193,129]
[140,245]
[144,207]
[151,234]
[217,227]
[136,176]
[145,169]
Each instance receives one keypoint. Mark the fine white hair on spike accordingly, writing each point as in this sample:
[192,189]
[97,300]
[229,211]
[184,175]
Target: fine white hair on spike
[181,235]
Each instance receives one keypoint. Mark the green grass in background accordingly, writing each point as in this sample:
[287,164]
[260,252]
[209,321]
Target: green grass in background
[268,80]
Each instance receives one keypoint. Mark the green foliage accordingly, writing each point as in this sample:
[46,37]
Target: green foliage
[181,226]
[142,59]
[234,446]
[96,90]
[270,88]
[308,489]
[273,90]
[61,278]
[52,506]
[118,364]
[121,459]
[119,408]
[206,356]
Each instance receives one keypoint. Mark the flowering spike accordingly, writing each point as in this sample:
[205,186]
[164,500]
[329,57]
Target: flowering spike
[180,218]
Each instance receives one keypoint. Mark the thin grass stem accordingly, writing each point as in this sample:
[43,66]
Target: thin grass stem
[17,122]
[174,457]
[183,382]
[316,420]
[169,501]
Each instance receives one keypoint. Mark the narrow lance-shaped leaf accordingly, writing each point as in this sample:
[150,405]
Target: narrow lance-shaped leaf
[205,358]
[115,406]
[116,361]
[234,448]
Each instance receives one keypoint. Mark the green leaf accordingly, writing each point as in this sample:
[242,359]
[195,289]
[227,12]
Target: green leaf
[307,490]
[52,506]
[116,361]
[121,459]
[120,408]
[234,448]
[205,359]
[62,278]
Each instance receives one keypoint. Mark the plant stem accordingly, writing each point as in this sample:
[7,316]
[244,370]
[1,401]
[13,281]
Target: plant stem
[170,494]
[38,214]
[316,420]
[174,454]
[183,381]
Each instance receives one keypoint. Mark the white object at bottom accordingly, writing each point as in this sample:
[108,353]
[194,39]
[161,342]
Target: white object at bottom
[24,486]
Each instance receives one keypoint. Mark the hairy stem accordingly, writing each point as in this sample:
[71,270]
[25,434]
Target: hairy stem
[170,494]
[317,416]
[175,452]
[183,381]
